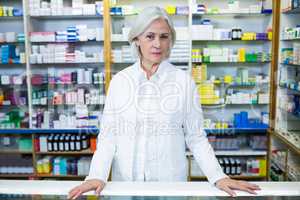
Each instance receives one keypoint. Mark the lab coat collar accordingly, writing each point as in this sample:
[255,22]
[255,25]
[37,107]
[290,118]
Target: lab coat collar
[163,67]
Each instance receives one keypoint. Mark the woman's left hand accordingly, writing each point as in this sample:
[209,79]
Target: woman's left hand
[228,185]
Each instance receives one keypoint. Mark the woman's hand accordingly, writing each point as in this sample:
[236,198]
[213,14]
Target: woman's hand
[228,185]
[93,184]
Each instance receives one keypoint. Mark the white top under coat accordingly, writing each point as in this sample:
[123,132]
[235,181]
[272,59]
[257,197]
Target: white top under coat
[178,123]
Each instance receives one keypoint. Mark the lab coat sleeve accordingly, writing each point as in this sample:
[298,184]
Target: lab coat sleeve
[103,156]
[195,135]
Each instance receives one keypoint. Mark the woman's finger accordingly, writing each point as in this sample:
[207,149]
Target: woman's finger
[243,188]
[250,185]
[98,190]
[72,193]
[77,195]
[228,191]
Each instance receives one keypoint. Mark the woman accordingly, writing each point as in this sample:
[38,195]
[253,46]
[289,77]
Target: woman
[151,113]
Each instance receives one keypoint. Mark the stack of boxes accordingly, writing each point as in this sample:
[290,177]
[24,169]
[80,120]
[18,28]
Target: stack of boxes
[62,166]
[62,53]
[208,94]
[241,120]
[217,54]
[233,7]
[56,7]
[10,54]
[8,11]
[13,119]
[72,34]
[80,117]
[180,51]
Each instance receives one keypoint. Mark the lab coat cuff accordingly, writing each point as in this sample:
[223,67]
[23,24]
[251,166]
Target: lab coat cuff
[98,178]
[213,180]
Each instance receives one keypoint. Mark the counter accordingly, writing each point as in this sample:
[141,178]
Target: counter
[170,189]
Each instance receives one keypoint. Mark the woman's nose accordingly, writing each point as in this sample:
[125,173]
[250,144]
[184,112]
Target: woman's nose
[156,42]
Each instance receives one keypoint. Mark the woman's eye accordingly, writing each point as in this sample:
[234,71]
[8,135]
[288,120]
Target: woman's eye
[164,36]
[150,37]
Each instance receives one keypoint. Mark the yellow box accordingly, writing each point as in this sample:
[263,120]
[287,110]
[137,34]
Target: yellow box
[171,10]
[228,79]
[270,35]
[262,167]
[242,55]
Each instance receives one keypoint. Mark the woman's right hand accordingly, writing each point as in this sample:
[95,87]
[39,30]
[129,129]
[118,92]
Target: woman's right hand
[92,184]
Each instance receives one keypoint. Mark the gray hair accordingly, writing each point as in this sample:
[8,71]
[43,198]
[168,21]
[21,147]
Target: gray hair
[144,19]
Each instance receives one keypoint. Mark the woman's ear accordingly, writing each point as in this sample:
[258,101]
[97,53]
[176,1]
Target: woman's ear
[137,42]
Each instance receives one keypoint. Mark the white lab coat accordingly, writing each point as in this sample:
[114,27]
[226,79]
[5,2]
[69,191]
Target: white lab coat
[179,123]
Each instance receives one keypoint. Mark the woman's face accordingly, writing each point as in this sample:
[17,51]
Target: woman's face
[155,42]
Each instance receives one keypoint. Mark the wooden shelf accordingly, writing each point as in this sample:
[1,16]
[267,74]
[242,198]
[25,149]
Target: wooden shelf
[16,175]
[60,176]
[49,131]
[14,152]
[72,153]
[286,141]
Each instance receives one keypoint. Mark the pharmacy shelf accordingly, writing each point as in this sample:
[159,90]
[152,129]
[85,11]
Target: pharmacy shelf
[67,84]
[242,177]
[233,41]
[120,41]
[242,152]
[60,176]
[130,15]
[285,141]
[12,64]
[3,106]
[71,42]
[295,39]
[278,164]
[292,11]
[285,87]
[71,17]
[69,153]
[16,43]
[246,85]
[16,175]
[295,115]
[48,131]
[232,14]
[11,18]
[67,63]
[122,16]
[66,105]
[233,104]
[231,62]
[236,130]
[237,152]
[291,64]
[131,63]
[14,152]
